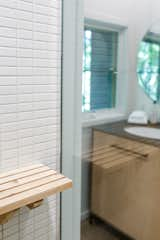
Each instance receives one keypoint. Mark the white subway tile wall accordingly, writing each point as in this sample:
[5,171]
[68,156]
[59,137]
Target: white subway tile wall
[30,89]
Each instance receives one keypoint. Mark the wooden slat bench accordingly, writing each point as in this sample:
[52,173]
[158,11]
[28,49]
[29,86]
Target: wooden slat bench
[28,186]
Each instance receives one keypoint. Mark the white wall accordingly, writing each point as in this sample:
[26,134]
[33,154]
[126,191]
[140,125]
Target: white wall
[141,99]
[138,16]
[30,51]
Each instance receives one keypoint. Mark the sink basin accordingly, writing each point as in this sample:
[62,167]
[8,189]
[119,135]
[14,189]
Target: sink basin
[145,132]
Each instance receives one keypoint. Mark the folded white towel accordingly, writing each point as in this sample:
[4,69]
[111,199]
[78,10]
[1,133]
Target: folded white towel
[138,117]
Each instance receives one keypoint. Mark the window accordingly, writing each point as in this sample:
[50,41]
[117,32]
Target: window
[99,69]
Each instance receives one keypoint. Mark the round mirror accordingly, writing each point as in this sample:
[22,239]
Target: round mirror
[148,66]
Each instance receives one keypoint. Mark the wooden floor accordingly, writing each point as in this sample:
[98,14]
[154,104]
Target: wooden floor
[96,231]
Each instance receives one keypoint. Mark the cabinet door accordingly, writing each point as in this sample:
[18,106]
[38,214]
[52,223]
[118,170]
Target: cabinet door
[125,186]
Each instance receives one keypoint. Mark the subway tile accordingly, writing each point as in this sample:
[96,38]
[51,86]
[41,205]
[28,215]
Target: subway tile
[25,6]
[23,15]
[45,10]
[7,32]
[10,4]
[26,24]
[24,53]
[24,34]
[8,51]
[30,61]
[6,11]
[7,42]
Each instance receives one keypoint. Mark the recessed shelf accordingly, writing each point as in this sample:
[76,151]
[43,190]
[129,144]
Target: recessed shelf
[28,186]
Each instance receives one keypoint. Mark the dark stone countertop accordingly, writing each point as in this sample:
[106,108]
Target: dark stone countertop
[117,128]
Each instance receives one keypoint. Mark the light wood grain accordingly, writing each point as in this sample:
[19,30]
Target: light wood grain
[35,204]
[28,187]
[27,179]
[18,176]
[126,185]
[20,170]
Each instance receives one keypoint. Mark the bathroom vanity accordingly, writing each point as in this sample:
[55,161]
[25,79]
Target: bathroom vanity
[125,181]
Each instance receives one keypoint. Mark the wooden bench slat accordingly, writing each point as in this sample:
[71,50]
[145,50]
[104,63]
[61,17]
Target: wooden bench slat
[28,186]
[23,174]
[118,162]
[117,158]
[30,196]
[20,170]
[22,181]
[107,155]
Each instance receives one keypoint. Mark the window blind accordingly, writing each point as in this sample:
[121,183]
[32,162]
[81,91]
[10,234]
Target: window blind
[103,67]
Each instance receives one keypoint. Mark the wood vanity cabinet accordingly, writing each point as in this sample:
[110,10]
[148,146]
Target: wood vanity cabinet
[125,185]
